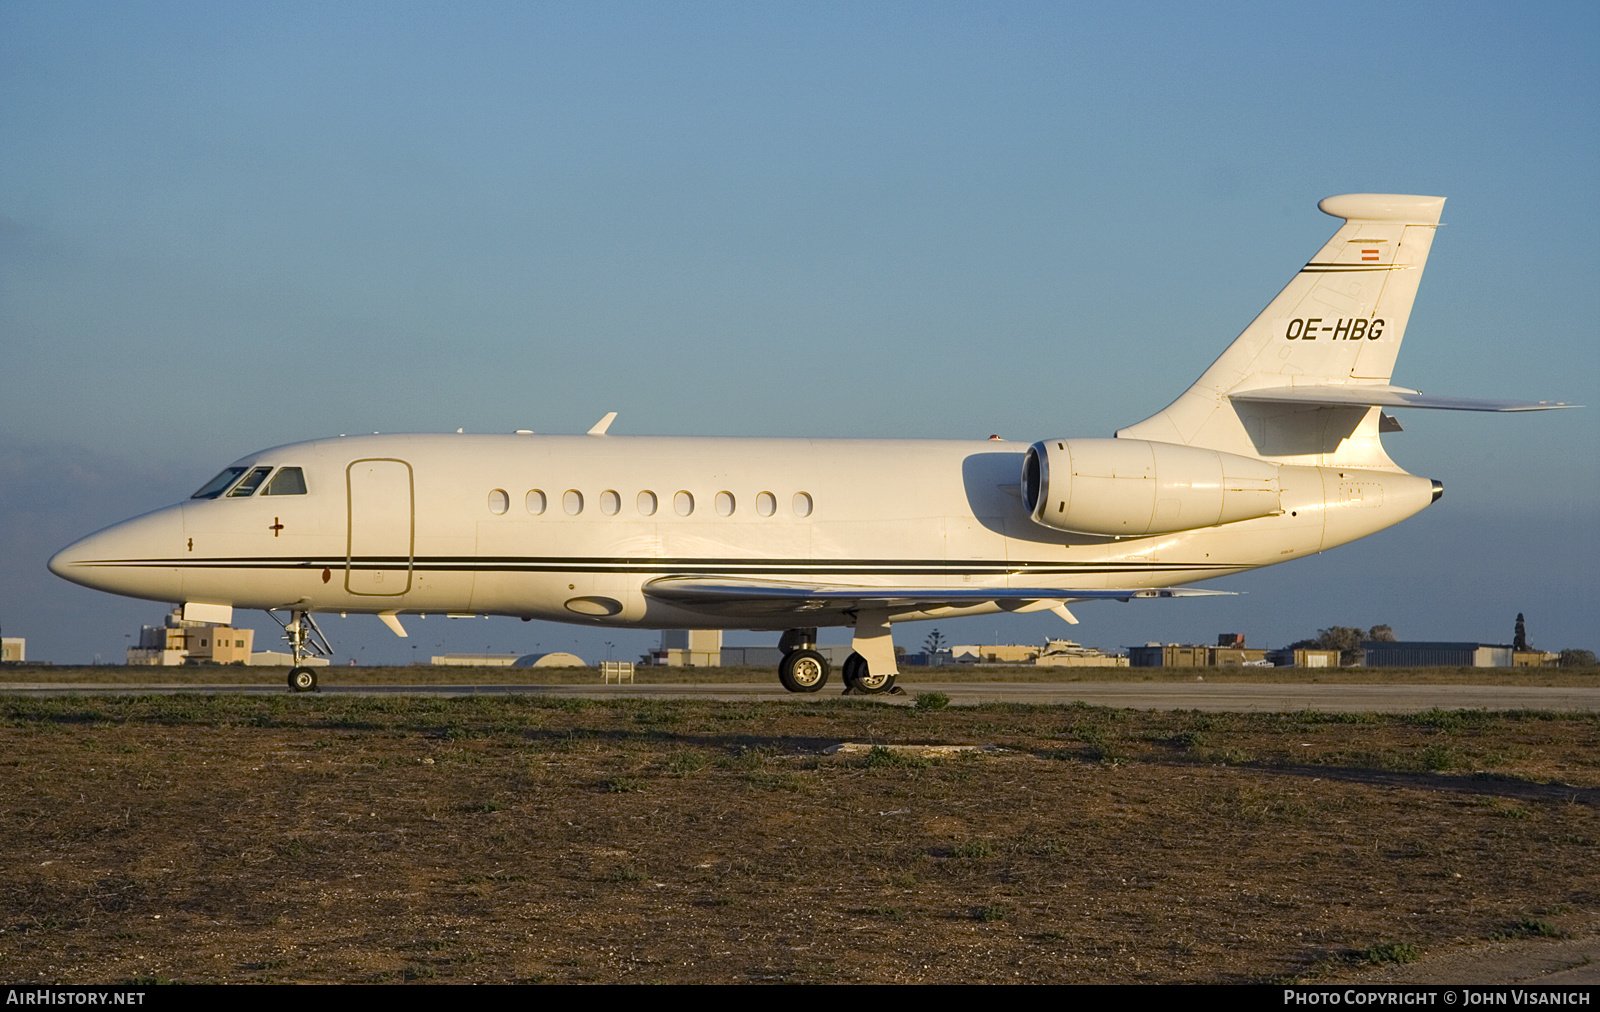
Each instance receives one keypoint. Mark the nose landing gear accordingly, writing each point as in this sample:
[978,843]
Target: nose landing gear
[305,639]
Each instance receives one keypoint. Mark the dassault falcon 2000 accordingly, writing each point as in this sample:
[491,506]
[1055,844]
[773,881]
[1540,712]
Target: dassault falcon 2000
[1273,454]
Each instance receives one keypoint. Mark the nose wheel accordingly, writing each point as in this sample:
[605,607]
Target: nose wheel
[302,680]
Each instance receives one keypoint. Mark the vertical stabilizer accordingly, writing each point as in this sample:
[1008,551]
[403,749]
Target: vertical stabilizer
[1338,323]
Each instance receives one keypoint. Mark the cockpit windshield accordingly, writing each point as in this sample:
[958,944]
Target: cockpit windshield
[215,487]
[288,481]
[251,482]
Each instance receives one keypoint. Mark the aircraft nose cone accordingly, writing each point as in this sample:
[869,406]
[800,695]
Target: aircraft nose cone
[61,562]
[125,558]
[69,563]
[1438,490]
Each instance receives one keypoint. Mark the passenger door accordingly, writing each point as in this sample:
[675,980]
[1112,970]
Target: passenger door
[382,537]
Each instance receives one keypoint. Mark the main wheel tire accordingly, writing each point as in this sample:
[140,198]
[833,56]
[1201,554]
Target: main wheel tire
[858,677]
[803,671]
[302,680]
[851,671]
[873,685]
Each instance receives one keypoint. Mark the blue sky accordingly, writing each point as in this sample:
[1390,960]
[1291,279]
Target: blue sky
[229,226]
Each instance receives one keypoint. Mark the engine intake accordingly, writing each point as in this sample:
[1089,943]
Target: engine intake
[1133,487]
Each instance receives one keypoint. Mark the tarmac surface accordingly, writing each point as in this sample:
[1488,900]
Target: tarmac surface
[1229,697]
[1541,963]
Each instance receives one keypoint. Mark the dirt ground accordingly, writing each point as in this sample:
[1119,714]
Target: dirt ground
[328,838]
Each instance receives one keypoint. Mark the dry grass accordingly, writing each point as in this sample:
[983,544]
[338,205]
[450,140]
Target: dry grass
[502,839]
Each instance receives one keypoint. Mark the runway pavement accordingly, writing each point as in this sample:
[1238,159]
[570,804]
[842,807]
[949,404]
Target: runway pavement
[1213,696]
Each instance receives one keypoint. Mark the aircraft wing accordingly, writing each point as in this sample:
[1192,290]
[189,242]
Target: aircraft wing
[1383,397]
[780,597]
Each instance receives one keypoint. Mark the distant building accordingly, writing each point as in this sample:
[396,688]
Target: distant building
[554,659]
[689,648]
[768,657]
[764,657]
[475,660]
[13,650]
[1534,659]
[1169,655]
[1067,654]
[1230,651]
[178,641]
[1303,658]
[1430,655]
[281,659]
[1525,654]
[1054,653]
[993,653]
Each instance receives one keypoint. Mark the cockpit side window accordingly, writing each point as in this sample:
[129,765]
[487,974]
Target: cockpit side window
[288,481]
[252,481]
[214,487]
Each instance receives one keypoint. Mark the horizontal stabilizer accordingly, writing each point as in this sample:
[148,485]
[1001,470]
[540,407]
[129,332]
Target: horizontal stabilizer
[1354,395]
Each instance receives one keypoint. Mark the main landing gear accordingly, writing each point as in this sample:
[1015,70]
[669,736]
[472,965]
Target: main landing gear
[858,677]
[305,639]
[805,669]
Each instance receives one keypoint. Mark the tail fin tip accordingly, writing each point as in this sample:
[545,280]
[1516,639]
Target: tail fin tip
[1400,208]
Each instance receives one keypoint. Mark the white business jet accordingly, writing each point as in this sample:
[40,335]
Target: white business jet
[1273,454]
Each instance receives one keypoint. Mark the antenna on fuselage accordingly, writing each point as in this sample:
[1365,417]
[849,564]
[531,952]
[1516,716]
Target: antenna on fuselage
[603,424]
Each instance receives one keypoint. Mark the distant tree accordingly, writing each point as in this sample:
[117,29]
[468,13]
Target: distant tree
[1520,640]
[1381,634]
[1577,659]
[934,643]
[1343,638]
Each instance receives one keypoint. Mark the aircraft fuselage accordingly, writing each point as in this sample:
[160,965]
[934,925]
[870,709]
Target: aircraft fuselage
[575,528]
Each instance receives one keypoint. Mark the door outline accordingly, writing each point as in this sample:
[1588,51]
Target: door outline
[350,526]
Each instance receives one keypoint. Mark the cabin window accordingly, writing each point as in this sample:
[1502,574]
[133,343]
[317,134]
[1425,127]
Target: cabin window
[252,481]
[288,481]
[802,504]
[725,504]
[683,504]
[572,502]
[766,504]
[647,504]
[536,502]
[499,502]
[214,487]
[610,503]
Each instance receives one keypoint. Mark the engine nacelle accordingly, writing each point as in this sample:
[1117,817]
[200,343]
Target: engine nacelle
[1133,487]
